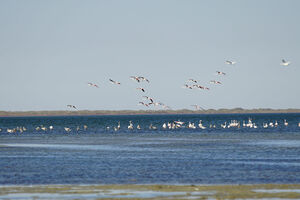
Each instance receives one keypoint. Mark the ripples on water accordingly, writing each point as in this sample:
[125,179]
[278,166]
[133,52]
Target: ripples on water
[179,156]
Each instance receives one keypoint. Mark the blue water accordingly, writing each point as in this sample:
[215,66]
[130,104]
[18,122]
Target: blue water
[99,155]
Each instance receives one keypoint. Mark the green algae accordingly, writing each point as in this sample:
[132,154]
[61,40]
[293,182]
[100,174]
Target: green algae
[183,191]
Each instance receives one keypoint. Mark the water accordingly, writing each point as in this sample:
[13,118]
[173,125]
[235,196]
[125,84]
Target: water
[181,156]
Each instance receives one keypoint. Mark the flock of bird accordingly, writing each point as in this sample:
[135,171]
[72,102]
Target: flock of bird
[195,85]
[176,124]
[138,79]
[191,84]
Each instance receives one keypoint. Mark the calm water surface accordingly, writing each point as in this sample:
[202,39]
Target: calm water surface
[163,156]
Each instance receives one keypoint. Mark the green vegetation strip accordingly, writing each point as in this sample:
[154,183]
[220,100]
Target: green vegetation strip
[286,191]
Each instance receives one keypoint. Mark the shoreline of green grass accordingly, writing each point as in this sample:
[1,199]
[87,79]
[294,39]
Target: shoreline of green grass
[128,191]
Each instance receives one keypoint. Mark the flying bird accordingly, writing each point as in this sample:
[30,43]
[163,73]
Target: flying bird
[285,63]
[149,98]
[215,82]
[114,82]
[187,86]
[197,107]
[135,78]
[201,87]
[142,89]
[156,103]
[141,78]
[144,104]
[192,80]
[93,85]
[71,106]
[229,62]
[220,73]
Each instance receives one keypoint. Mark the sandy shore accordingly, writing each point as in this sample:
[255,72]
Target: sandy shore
[261,191]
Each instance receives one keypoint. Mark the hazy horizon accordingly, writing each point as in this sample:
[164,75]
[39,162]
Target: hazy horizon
[50,50]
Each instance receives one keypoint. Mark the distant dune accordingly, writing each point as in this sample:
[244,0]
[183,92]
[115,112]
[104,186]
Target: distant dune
[143,112]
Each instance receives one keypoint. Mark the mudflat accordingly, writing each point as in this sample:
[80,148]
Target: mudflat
[259,191]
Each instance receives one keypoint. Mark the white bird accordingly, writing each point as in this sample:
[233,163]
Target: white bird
[271,124]
[141,78]
[223,125]
[156,104]
[192,80]
[215,82]
[11,130]
[116,128]
[151,127]
[220,73]
[286,123]
[72,106]
[149,98]
[67,129]
[198,86]
[254,125]
[142,89]
[135,78]
[164,126]
[144,104]
[285,63]
[114,82]
[187,86]
[201,125]
[229,62]
[130,127]
[191,125]
[93,85]
[197,107]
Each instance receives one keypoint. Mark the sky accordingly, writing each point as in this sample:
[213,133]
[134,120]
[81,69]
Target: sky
[50,50]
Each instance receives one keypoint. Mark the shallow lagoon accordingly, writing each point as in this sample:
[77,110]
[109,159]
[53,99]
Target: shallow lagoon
[180,156]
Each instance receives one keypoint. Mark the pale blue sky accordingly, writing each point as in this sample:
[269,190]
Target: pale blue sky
[49,50]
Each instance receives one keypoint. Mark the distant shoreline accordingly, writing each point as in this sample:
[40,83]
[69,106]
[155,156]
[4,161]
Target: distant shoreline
[143,112]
